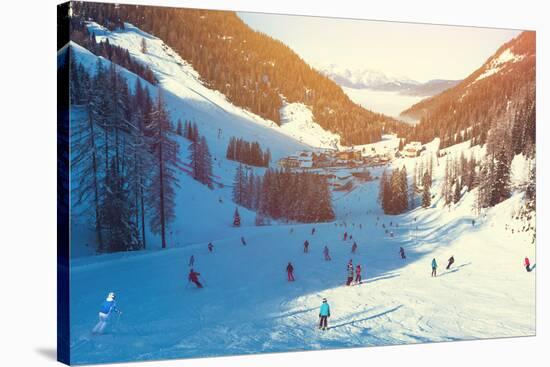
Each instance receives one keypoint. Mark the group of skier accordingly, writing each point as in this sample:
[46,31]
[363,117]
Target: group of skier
[434,265]
[349,280]
[109,306]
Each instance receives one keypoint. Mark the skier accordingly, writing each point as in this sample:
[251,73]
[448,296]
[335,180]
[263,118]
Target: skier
[527,264]
[290,272]
[291,230]
[313,231]
[350,237]
[350,273]
[324,314]
[243,241]
[434,268]
[306,246]
[353,247]
[345,236]
[191,261]
[194,277]
[326,253]
[451,261]
[210,247]
[473,222]
[107,307]
[358,274]
[402,253]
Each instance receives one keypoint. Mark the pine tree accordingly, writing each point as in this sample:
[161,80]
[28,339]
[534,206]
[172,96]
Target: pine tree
[457,191]
[164,180]
[179,128]
[501,184]
[143,46]
[236,218]
[426,187]
[86,158]
[239,185]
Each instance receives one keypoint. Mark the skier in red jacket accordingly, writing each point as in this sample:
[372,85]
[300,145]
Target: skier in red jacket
[358,274]
[290,272]
[194,277]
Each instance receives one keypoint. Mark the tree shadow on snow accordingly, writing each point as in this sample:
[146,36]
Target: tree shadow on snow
[353,322]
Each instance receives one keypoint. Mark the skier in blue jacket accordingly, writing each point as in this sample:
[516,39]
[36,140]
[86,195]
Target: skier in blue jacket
[324,314]
[434,268]
[107,307]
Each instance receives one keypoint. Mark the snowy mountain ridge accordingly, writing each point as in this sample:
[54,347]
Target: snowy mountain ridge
[364,78]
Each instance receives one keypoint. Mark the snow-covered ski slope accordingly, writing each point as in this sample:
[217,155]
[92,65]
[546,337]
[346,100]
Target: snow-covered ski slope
[247,305]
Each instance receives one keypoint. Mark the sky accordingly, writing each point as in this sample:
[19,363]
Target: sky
[419,51]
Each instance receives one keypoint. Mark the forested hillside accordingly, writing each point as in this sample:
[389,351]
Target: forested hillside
[502,91]
[253,70]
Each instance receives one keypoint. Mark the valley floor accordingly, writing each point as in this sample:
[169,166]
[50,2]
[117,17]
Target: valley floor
[248,306]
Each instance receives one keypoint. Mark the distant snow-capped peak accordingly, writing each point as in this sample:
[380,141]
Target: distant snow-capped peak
[364,77]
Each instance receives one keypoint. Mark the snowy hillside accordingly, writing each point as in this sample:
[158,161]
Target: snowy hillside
[397,302]
[218,120]
[178,77]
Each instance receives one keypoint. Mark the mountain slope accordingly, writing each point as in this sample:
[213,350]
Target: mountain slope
[196,199]
[503,88]
[254,71]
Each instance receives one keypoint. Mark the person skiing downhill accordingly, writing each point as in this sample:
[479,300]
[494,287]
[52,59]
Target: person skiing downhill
[326,253]
[210,247]
[350,237]
[191,261]
[451,261]
[353,247]
[434,268]
[243,241]
[194,277]
[402,252]
[350,273]
[527,264]
[345,236]
[290,272]
[358,274]
[324,314]
[306,246]
[107,307]
[313,231]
